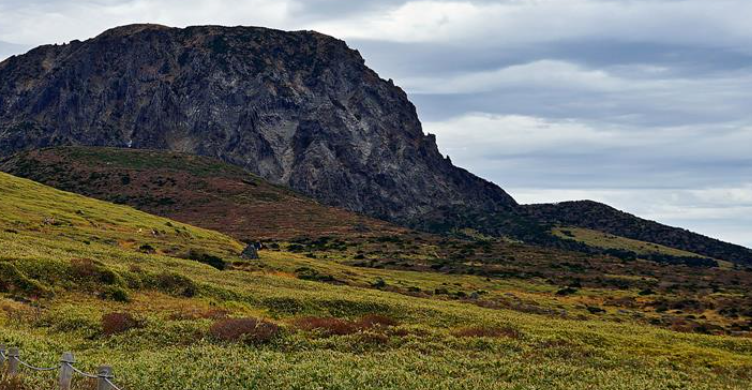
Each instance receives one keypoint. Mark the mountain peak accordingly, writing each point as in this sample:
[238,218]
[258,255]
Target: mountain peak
[297,108]
[131,29]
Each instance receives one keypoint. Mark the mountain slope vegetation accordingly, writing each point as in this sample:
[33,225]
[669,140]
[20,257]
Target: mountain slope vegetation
[196,190]
[219,196]
[112,284]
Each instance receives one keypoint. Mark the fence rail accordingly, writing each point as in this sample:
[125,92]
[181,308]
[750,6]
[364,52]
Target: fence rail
[65,366]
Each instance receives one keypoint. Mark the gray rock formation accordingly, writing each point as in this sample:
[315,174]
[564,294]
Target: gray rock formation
[250,252]
[298,108]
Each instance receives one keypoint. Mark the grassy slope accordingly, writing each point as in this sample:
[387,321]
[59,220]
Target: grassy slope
[610,241]
[549,353]
[601,217]
[196,190]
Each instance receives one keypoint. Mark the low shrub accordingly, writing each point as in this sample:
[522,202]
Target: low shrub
[114,323]
[492,332]
[147,248]
[248,330]
[207,259]
[176,285]
[566,291]
[115,293]
[12,280]
[87,271]
[377,321]
[379,283]
[306,273]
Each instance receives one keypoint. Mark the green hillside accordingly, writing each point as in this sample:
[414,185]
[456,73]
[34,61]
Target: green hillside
[197,190]
[122,287]
[609,241]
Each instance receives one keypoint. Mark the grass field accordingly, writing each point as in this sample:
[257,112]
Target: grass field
[67,262]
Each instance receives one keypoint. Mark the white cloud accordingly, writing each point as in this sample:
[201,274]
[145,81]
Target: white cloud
[536,74]
[483,136]
[49,22]
[534,21]
[563,75]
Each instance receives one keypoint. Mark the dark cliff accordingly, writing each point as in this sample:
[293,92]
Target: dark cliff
[297,108]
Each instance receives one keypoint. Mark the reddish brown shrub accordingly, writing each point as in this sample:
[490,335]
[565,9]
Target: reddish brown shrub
[328,326]
[119,322]
[249,330]
[494,332]
[377,321]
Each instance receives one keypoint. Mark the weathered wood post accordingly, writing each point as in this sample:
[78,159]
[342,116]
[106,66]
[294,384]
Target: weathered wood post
[2,355]
[104,373]
[66,371]
[13,356]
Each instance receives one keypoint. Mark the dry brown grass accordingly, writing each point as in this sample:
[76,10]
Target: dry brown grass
[377,321]
[248,330]
[114,323]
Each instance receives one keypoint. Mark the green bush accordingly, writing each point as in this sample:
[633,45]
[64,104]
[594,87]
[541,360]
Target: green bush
[207,259]
[176,285]
[14,281]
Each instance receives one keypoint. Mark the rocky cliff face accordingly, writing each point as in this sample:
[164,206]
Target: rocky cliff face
[297,108]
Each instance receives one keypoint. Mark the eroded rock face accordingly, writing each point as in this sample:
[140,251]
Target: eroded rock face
[298,108]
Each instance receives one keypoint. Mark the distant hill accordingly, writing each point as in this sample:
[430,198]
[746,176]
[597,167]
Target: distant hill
[196,190]
[219,196]
[604,218]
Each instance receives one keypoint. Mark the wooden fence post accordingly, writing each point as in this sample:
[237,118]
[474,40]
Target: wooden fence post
[66,371]
[104,373]
[13,356]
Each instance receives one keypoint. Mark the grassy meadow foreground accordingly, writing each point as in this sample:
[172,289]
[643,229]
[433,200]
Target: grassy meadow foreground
[172,306]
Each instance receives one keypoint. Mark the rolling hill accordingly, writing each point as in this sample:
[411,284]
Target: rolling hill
[603,218]
[214,195]
[196,190]
[114,285]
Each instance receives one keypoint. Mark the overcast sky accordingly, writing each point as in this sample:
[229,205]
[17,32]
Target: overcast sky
[643,104]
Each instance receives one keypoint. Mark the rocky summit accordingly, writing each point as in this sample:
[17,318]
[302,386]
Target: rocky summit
[297,108]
